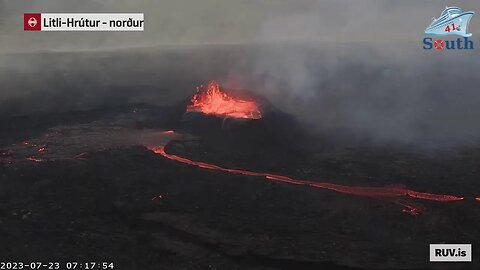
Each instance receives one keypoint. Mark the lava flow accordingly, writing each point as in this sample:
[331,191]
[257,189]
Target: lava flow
[387,191]
[211,100]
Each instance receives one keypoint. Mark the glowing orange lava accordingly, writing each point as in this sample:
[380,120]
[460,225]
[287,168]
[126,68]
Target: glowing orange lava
[211,100]
[35,159]
[387,191]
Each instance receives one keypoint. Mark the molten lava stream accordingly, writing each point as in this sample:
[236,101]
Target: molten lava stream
[34,159]
[211,100]
[387,191]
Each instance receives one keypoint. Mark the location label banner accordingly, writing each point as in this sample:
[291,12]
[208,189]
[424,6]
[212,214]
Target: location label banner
[83,21]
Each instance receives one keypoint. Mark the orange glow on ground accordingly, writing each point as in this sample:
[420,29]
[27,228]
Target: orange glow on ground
[34,159]
[212,101]
[387,191]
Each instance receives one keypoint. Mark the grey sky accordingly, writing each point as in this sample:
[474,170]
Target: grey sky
[186,22]
[356,64]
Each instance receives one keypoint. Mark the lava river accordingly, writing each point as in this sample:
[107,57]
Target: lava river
[211,100]
[392,191]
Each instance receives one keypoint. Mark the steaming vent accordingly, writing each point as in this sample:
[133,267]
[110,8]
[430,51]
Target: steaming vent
[211,100]
[213,109]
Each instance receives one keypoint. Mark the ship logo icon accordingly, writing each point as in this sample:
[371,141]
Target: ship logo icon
[452,21]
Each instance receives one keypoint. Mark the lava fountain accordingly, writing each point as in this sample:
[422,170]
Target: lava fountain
[211,100]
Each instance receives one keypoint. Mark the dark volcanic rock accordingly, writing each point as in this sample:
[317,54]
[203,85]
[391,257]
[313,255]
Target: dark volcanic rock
[125,204]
